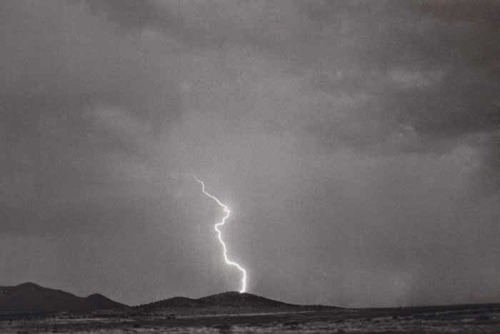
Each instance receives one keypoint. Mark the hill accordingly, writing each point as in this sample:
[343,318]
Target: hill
[233,298]
[171,303]
[97,301]
[32,298]
[223,303]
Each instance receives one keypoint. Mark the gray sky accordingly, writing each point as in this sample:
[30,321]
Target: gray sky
[357,143]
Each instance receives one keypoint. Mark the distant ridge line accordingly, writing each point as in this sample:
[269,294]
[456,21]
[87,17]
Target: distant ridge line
[230,301]
[32,298]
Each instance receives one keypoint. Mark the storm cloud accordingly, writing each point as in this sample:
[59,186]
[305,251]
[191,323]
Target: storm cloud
[356,142]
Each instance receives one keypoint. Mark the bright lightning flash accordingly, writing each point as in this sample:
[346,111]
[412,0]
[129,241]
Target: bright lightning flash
[227,213]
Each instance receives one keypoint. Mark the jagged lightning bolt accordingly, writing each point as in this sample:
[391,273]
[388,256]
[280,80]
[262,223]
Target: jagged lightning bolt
[227,213]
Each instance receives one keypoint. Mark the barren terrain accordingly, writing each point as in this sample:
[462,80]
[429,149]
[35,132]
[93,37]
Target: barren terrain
[452,319]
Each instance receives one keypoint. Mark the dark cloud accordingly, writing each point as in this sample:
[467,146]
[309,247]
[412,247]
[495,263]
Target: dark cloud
[484,12]
[356,142]
[133,13]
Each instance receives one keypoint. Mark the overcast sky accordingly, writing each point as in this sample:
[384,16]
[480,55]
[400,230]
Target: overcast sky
[357,143]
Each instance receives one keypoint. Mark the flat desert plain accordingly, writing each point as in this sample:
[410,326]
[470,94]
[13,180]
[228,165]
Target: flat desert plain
[439,319]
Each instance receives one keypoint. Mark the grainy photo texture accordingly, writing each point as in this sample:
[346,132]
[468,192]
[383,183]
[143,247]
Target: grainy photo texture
[249,166]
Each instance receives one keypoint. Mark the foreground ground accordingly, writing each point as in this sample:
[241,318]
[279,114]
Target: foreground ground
[462,319]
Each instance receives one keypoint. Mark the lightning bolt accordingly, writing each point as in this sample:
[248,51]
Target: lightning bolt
[227,213]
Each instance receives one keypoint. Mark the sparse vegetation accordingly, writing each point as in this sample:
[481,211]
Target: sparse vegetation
[416,320]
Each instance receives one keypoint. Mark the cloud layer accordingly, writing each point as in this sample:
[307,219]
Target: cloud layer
[356,142]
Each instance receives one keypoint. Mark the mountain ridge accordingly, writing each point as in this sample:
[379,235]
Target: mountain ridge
[32,298]
[225,302]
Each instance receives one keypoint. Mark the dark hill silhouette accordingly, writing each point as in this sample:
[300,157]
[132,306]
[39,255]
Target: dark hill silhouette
[97,301]
[32,298]
[233,298]
[226,302]
[172,303]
